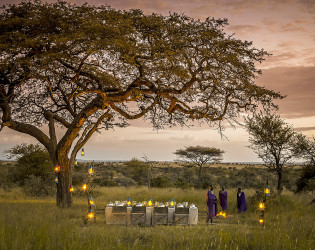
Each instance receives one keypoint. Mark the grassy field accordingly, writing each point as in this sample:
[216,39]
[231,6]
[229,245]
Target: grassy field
[28,223]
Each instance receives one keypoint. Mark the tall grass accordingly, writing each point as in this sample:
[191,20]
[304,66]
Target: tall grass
[27,223]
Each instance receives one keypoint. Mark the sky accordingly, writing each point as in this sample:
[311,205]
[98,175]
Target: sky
[284,28]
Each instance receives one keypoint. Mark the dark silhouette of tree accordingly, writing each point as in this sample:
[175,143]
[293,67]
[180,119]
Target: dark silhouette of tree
[305,149]
[200,156]
[87,68]
[271,139]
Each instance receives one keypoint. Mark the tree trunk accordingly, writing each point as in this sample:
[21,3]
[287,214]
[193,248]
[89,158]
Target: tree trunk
[280,188]
[64,197]
[199,177]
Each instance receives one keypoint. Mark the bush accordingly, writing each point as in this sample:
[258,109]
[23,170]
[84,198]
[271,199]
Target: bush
[37,186]
[160,182]
[306,181]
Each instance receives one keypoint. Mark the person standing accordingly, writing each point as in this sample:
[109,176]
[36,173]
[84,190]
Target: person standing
[241,201]
[211,204]
[223,199]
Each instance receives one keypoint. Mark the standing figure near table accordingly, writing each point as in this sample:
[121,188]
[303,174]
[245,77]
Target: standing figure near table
[211,204]
[223,199]
[241,201]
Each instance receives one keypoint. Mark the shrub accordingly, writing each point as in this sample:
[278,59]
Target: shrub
[160,182]
[37,186]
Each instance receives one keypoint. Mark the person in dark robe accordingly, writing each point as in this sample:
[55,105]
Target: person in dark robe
[211,204]
[241,201]
[223,199]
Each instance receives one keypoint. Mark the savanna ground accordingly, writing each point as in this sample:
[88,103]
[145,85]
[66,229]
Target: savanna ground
[29,223]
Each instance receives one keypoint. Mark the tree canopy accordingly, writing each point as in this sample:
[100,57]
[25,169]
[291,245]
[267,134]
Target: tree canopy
[272,140]
[85,68]
[200,155]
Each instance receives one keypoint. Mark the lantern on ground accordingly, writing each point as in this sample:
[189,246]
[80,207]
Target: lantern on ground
[128,202]
[223,214]
[172,203]
[90,215]
[150,203]
[91,170]
[82,152]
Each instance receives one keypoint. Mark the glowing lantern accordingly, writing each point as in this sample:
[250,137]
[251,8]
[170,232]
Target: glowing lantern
[267,191]
[223,214]
[129,202]
[172,203]
[84,187]
[56,179]
[71,189]
[91,170]
[82,152]
[57,169]
[75,163]
[150,203]
[91,201]
[261,206]
[90,215]
[261,220]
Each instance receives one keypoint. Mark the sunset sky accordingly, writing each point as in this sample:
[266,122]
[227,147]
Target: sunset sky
[284,28]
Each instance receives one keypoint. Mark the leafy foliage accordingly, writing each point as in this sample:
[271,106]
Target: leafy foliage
[32,160]
[200,156]
[272,140]
[85,68]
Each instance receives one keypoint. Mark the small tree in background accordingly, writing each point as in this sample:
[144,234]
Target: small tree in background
[33,169]
[305,149]
[200,156]
[272,140]
[32,160]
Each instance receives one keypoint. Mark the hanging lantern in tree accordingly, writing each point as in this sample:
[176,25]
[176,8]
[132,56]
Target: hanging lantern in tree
[56,179]
[75,163]
[91,170]
[82,152]
[84,187]
[71,189]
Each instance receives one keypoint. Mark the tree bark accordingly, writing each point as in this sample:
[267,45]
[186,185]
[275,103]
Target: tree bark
[64,197]
[280,188]
[199,176]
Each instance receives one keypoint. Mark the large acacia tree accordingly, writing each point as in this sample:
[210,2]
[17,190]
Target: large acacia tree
[84,68]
